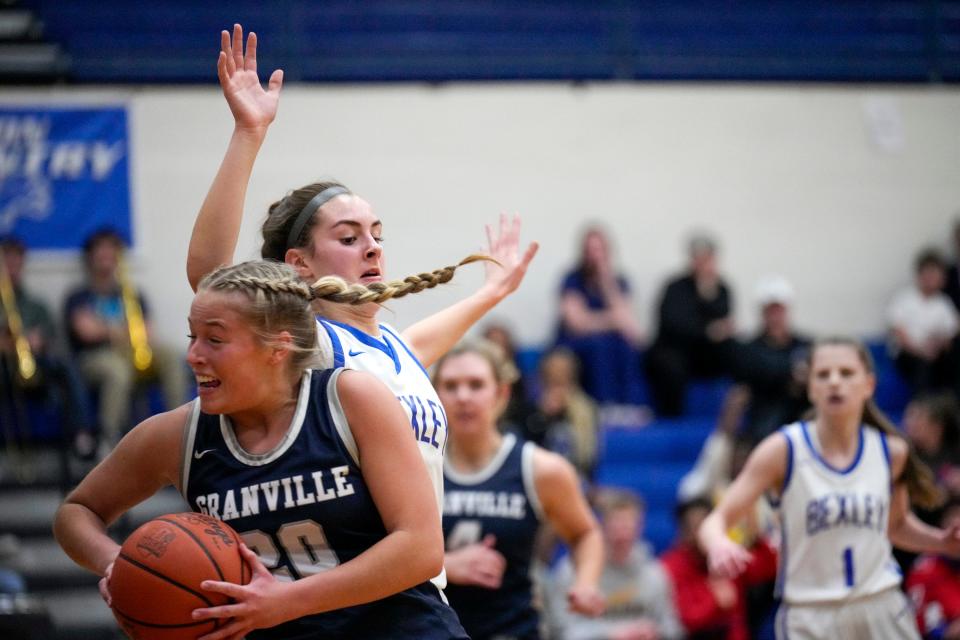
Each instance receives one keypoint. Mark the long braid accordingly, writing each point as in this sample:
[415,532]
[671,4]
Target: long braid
[336,289]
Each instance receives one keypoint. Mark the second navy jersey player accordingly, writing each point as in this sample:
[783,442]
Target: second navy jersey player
[500,500]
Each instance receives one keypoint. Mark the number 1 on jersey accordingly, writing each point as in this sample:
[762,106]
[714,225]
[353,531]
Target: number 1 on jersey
[848,566]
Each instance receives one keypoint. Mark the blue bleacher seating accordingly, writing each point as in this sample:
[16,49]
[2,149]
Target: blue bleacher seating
[436,41]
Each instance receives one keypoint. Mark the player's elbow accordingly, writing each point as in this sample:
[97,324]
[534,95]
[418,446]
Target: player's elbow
[427,553]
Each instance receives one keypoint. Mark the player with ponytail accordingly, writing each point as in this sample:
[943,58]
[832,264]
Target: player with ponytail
[843,481]
[324,229]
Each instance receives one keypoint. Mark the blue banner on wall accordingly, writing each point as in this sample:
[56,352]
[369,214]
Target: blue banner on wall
[64,173]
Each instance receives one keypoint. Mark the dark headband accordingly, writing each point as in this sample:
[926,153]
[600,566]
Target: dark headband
[310,208]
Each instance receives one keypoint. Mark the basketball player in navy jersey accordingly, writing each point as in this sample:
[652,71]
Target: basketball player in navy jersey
[498,490]
[843,483]
[324,229]
[313,468]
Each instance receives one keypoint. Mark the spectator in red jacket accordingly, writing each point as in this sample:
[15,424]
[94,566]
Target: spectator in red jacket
[712,607]
[934,586]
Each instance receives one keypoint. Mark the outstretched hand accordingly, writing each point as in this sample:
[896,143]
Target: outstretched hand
[256,605]
[504,247]
[253,107]
[727,559]
[586,600]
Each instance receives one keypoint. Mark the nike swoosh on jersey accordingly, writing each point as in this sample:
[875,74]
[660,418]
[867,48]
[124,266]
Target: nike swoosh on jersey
[199,454]
[355,353]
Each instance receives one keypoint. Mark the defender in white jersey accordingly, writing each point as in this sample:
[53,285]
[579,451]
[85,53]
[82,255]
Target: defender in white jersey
[843,482]
[389,358]
[324,229]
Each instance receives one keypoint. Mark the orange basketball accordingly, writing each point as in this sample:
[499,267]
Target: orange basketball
[155,584]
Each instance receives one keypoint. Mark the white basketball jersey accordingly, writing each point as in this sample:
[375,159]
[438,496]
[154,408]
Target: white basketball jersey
[389,358]
[834,521]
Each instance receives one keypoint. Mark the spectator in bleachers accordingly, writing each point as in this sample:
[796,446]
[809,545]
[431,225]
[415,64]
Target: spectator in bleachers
[934,587]
[924,324]
[695,336]
[598,324]
[709,606]
[952,286]
[565,418]
[640,603]
[932,424]
[100,328]
[519,406]
[55,381]
[773,365]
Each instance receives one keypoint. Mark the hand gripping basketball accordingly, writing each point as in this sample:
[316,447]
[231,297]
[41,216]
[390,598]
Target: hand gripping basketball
[154,585]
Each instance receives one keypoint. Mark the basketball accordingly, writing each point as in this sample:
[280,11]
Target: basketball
[155,584]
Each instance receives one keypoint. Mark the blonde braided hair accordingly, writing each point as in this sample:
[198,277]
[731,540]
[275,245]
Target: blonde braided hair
[336,289]
[276,301]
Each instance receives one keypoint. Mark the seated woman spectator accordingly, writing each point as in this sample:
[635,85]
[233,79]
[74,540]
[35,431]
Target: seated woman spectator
[713,607]
[695,336]
[101,332]
[565,418]
[597,323]
[934,587]
[640,602]
[923,325]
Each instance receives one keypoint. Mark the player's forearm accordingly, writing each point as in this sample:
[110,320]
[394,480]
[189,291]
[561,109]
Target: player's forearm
[433,336]
[712,531]
[588,558]
[83,536]
[217,227]
[403,559]
[912,534]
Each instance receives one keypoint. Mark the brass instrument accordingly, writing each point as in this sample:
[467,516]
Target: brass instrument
[136,327]
[26,364]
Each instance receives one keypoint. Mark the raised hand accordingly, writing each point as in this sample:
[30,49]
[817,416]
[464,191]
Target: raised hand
[504,247]
[253,107]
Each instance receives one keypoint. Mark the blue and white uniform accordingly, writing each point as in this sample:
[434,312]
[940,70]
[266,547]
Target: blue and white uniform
[304,507]
[390,359]
[502,500]
[837,575]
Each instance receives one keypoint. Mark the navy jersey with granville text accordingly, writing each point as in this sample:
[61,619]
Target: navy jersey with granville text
[304,508]
[500,500]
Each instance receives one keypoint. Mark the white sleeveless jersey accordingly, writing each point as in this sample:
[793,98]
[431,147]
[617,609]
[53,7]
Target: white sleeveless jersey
[834,543]
[389,358]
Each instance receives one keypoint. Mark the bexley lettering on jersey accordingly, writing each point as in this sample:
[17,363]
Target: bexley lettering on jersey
[861,511]
[425,427]
[495,504]
[283,493]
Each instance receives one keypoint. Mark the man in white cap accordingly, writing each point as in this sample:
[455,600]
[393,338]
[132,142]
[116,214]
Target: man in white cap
[773,365]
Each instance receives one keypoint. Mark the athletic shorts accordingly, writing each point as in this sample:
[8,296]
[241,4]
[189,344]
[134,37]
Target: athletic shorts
[887,615]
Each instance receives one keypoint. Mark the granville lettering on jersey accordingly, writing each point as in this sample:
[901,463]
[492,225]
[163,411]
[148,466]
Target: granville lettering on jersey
[283,493]
[497,504]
